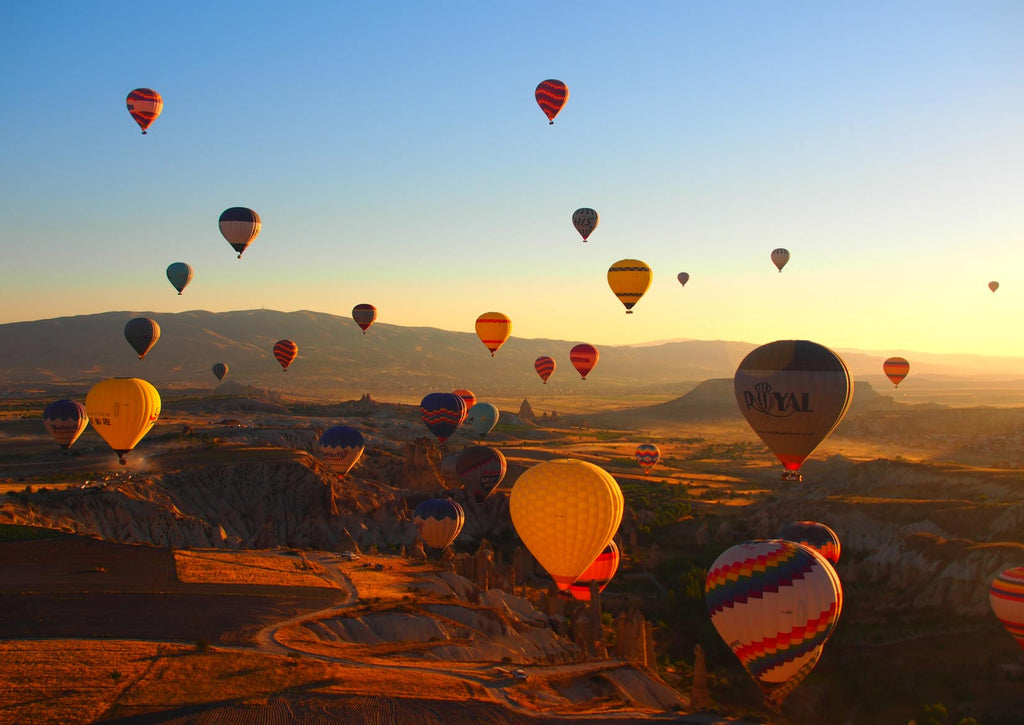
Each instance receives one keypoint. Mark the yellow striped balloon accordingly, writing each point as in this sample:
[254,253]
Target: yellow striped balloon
[566,511]
[1006,595]
[493,329]
[629,280]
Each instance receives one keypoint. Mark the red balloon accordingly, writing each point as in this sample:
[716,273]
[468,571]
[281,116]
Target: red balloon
[544,366]
[285,351]
[551,96]
[584,358]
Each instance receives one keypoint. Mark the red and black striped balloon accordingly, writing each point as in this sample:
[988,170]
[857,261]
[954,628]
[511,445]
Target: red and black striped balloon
[551,96]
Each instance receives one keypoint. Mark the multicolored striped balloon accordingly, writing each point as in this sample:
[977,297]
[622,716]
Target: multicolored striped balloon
[584,357]
[240,226]
[65,420]
[585,220]
[551,96]
[285,351]
[544,366]
[896,368]
[468,397]
[817,536]
[364,315]
[1006,595]
[145,105]
[600,573]
[493,329]
[439,521]
[342,447]
[442,413]
[775,603]
[629,280]
[647,455]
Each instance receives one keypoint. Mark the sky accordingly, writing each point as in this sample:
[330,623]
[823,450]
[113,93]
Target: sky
[397,157]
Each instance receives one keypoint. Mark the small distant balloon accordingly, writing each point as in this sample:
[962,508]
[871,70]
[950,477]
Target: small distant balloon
[584,357]
[220,370]
[179,275]
[683,278]
[817,536]
[629,280]
[482,417]
[779,258]
[468,397]
[145,105]
[993,286]
[142,334]
[442,413]
[493,329]
[439,521]
[1006,595]
[551,96]
[896,368]
[544,366]
[342,447]
[65,420]
[647,455]
[240,226]
[364,315]
[585,220]
[285,351]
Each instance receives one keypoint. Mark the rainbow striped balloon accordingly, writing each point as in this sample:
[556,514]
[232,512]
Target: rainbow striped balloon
[817,536]
[647,455]
[442,413]
[1006,595]
[775,603]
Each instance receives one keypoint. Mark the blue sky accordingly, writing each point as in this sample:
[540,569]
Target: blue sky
[397,157]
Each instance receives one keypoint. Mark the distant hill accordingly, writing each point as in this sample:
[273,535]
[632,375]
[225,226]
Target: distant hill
[337,360]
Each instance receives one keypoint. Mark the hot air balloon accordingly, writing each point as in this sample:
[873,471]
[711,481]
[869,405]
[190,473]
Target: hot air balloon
[482,418]
[1006,595]
[240,226]
[493,328]
[779,258]
[448,470]
[629,279]
[993,286]
[342,447]
[585,220]
[145,105]
[566,511]
[551,95]
[793,393]
[683,278]
[220,370]
[439,521]
[442,413]
[179,275]
[65,420]
[141,333]
[285,351]
[583,357]
[544,366]
[122,410]
[647,455]
[816,536]
[364,315]
[600,573]
[896,368]
[468,397]
[774,603]
[481,469]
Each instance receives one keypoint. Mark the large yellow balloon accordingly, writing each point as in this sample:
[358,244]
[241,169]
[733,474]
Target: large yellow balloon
[122,410]
[629,279]
[566,511]
[493,329]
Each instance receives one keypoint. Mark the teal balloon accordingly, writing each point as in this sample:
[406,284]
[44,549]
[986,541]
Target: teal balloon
[179,274]
[482,418]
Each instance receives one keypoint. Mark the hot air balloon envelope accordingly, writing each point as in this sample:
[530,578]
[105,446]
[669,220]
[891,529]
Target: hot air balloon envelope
[780,257]
[220,370]
[493,329]
[481,469]
[342,447]
[896,368]
[566,511]
[774,603]
[993,286]
[179,275]
[647,455]
[599,573]
[439,521]
[145,105]
[584,357]
[122,410]
[142,334]
[585,220]
[793,393]
[468,397]
[65,420]
[1006,595]
[364,315]
[240,226]
[551,96]
[442,413]
[816,536]
[629,280]
[482,418]
[544,366]
[285,351]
